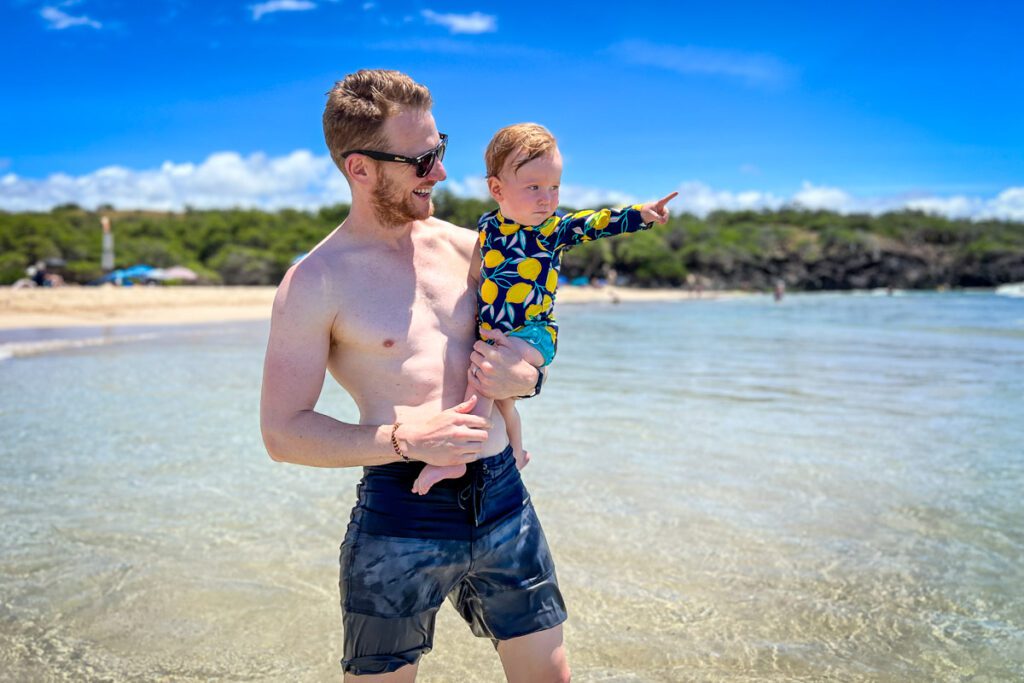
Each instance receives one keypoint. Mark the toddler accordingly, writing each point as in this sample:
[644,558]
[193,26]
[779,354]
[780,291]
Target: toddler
[521,245]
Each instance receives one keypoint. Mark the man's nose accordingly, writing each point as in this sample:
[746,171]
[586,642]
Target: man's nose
[437,174]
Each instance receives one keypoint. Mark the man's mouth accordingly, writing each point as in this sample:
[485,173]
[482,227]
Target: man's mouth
[425,193]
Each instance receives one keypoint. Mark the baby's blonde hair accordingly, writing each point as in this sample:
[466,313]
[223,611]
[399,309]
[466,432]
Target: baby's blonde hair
[527,141]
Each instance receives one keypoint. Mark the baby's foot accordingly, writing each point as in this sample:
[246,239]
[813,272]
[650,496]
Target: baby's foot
[522,458]
[431,474]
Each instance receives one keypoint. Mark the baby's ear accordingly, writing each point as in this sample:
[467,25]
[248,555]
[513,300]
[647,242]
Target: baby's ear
[494,186]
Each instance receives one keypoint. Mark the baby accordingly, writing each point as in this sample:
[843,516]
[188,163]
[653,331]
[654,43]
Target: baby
[521,245]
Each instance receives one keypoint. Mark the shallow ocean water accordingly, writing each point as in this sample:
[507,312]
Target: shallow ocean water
[823,489]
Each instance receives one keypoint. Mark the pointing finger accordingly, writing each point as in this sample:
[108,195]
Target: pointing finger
[666,199]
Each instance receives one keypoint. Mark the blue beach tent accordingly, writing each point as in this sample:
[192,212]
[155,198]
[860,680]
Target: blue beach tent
[124,276]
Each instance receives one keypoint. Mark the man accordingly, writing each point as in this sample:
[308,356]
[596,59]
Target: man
[386,304]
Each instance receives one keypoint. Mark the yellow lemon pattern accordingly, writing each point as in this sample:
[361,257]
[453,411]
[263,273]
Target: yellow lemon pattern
[528,269]
[520,264]
[492,258]
[488,291]
[518,293]
[552,280]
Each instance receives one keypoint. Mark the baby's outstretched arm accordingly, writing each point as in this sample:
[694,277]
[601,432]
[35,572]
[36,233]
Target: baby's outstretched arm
[587,225]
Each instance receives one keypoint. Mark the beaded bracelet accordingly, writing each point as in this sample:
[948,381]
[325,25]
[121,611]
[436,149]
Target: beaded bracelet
[394,443]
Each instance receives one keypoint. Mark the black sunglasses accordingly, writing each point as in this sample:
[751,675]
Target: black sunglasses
[424,163]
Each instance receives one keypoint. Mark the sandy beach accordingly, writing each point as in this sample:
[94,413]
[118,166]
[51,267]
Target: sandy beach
[90,306]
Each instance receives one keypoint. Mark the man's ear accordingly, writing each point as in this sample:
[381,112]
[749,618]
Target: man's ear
[494,186]
[359,169]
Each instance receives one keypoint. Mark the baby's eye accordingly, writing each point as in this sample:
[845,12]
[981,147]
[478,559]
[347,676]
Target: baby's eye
[533,187]
[555,188]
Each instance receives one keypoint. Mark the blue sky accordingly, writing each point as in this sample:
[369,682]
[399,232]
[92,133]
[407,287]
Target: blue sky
[856,106]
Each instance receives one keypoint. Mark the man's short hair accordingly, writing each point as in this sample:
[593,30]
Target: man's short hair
[359,104]
[527,141]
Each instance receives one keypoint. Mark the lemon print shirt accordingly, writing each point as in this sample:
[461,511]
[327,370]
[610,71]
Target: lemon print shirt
[519,269]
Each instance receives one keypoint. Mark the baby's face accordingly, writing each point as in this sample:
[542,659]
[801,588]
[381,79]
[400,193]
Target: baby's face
[530,195]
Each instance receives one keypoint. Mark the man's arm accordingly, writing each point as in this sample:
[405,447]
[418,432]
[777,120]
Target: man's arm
[497,370]
[293,376]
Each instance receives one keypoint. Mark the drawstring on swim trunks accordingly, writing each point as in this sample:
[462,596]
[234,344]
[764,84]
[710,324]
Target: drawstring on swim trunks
[474,493]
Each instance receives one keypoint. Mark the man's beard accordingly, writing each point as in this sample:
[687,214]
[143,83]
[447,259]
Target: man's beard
[393,208]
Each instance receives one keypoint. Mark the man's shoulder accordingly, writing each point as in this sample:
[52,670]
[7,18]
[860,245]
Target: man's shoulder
[459,237]
[306,276]
[438,225]
[302,298]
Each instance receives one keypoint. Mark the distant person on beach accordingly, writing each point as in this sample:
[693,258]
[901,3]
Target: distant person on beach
[521,247]
[38,273]
[386,304]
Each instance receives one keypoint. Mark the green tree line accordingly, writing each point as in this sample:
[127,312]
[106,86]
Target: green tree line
[807,249]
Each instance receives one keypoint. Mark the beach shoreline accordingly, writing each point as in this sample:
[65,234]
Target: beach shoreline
[67,307]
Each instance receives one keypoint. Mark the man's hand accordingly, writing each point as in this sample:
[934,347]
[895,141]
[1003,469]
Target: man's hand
[452,437]
[497,370]
[656,212]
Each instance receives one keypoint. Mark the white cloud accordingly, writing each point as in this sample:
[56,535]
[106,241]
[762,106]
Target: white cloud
[576,196]
[303,180]
[1008,204]
[280,6]
[947,206]
[815,197]
[470,187]
[752,69]
[225,179]
[581,197]
[60,20]
[463,23]
[699,198]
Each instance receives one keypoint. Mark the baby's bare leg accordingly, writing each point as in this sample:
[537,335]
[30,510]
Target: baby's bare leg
[507,408]
[514,427]
[431,474]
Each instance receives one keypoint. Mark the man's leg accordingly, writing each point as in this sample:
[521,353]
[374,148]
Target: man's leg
[535,658]
[407,674]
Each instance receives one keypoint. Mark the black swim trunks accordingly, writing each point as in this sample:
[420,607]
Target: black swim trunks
[475,540]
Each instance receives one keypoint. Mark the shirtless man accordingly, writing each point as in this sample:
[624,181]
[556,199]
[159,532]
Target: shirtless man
[386,304]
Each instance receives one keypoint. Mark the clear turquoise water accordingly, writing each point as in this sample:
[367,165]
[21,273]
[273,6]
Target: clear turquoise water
[826,489]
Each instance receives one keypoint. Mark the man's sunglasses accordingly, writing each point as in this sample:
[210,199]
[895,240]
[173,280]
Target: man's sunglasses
[424,163]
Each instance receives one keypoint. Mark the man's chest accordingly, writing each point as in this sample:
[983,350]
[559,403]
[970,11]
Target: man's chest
[389,308]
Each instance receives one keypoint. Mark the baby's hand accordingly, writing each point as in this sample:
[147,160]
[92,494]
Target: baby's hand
[655,212]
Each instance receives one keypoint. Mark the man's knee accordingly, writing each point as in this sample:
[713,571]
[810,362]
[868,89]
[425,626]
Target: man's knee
[563,675]
[538,657]
[560,672]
